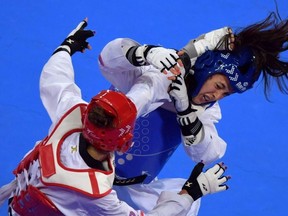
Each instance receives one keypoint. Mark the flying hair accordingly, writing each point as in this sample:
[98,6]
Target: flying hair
[268,40]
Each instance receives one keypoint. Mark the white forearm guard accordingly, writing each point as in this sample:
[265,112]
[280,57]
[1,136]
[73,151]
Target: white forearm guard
[191,128]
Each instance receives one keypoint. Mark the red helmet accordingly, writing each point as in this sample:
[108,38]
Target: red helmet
[119,136]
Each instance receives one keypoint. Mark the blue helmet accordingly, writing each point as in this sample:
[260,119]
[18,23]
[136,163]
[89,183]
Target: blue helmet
[238,67]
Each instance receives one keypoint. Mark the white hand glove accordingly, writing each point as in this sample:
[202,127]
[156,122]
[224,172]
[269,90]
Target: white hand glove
[200,184]
[178,94]
[161,58]
[212,180]
[207,41]
[190,125]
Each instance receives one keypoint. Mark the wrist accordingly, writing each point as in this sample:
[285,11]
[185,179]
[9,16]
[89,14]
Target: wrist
[190,49]
[136,55]
[139,56]
[142,53]
[192,189]
[183,191]
[182,107]
[62,48]
[186,111]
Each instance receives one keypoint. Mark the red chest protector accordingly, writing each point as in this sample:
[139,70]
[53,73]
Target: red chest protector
[90,182]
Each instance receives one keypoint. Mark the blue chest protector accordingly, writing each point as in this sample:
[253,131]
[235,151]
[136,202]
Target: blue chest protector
[156,137]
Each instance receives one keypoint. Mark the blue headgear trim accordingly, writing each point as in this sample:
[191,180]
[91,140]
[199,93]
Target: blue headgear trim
[238,67]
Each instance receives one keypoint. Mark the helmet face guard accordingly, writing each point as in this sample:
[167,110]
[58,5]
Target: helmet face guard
[238,67]
[118,136]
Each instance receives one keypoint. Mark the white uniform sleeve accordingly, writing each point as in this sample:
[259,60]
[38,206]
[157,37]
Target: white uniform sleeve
[168,204]
[58,90]
[146,86]
[212,147]
[149,91]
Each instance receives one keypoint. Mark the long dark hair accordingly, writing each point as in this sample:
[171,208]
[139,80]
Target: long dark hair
[267,40]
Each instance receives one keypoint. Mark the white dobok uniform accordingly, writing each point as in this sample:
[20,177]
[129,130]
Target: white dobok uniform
[64,176]
[147,87]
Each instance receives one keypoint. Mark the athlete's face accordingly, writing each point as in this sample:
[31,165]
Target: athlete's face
[215,88]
